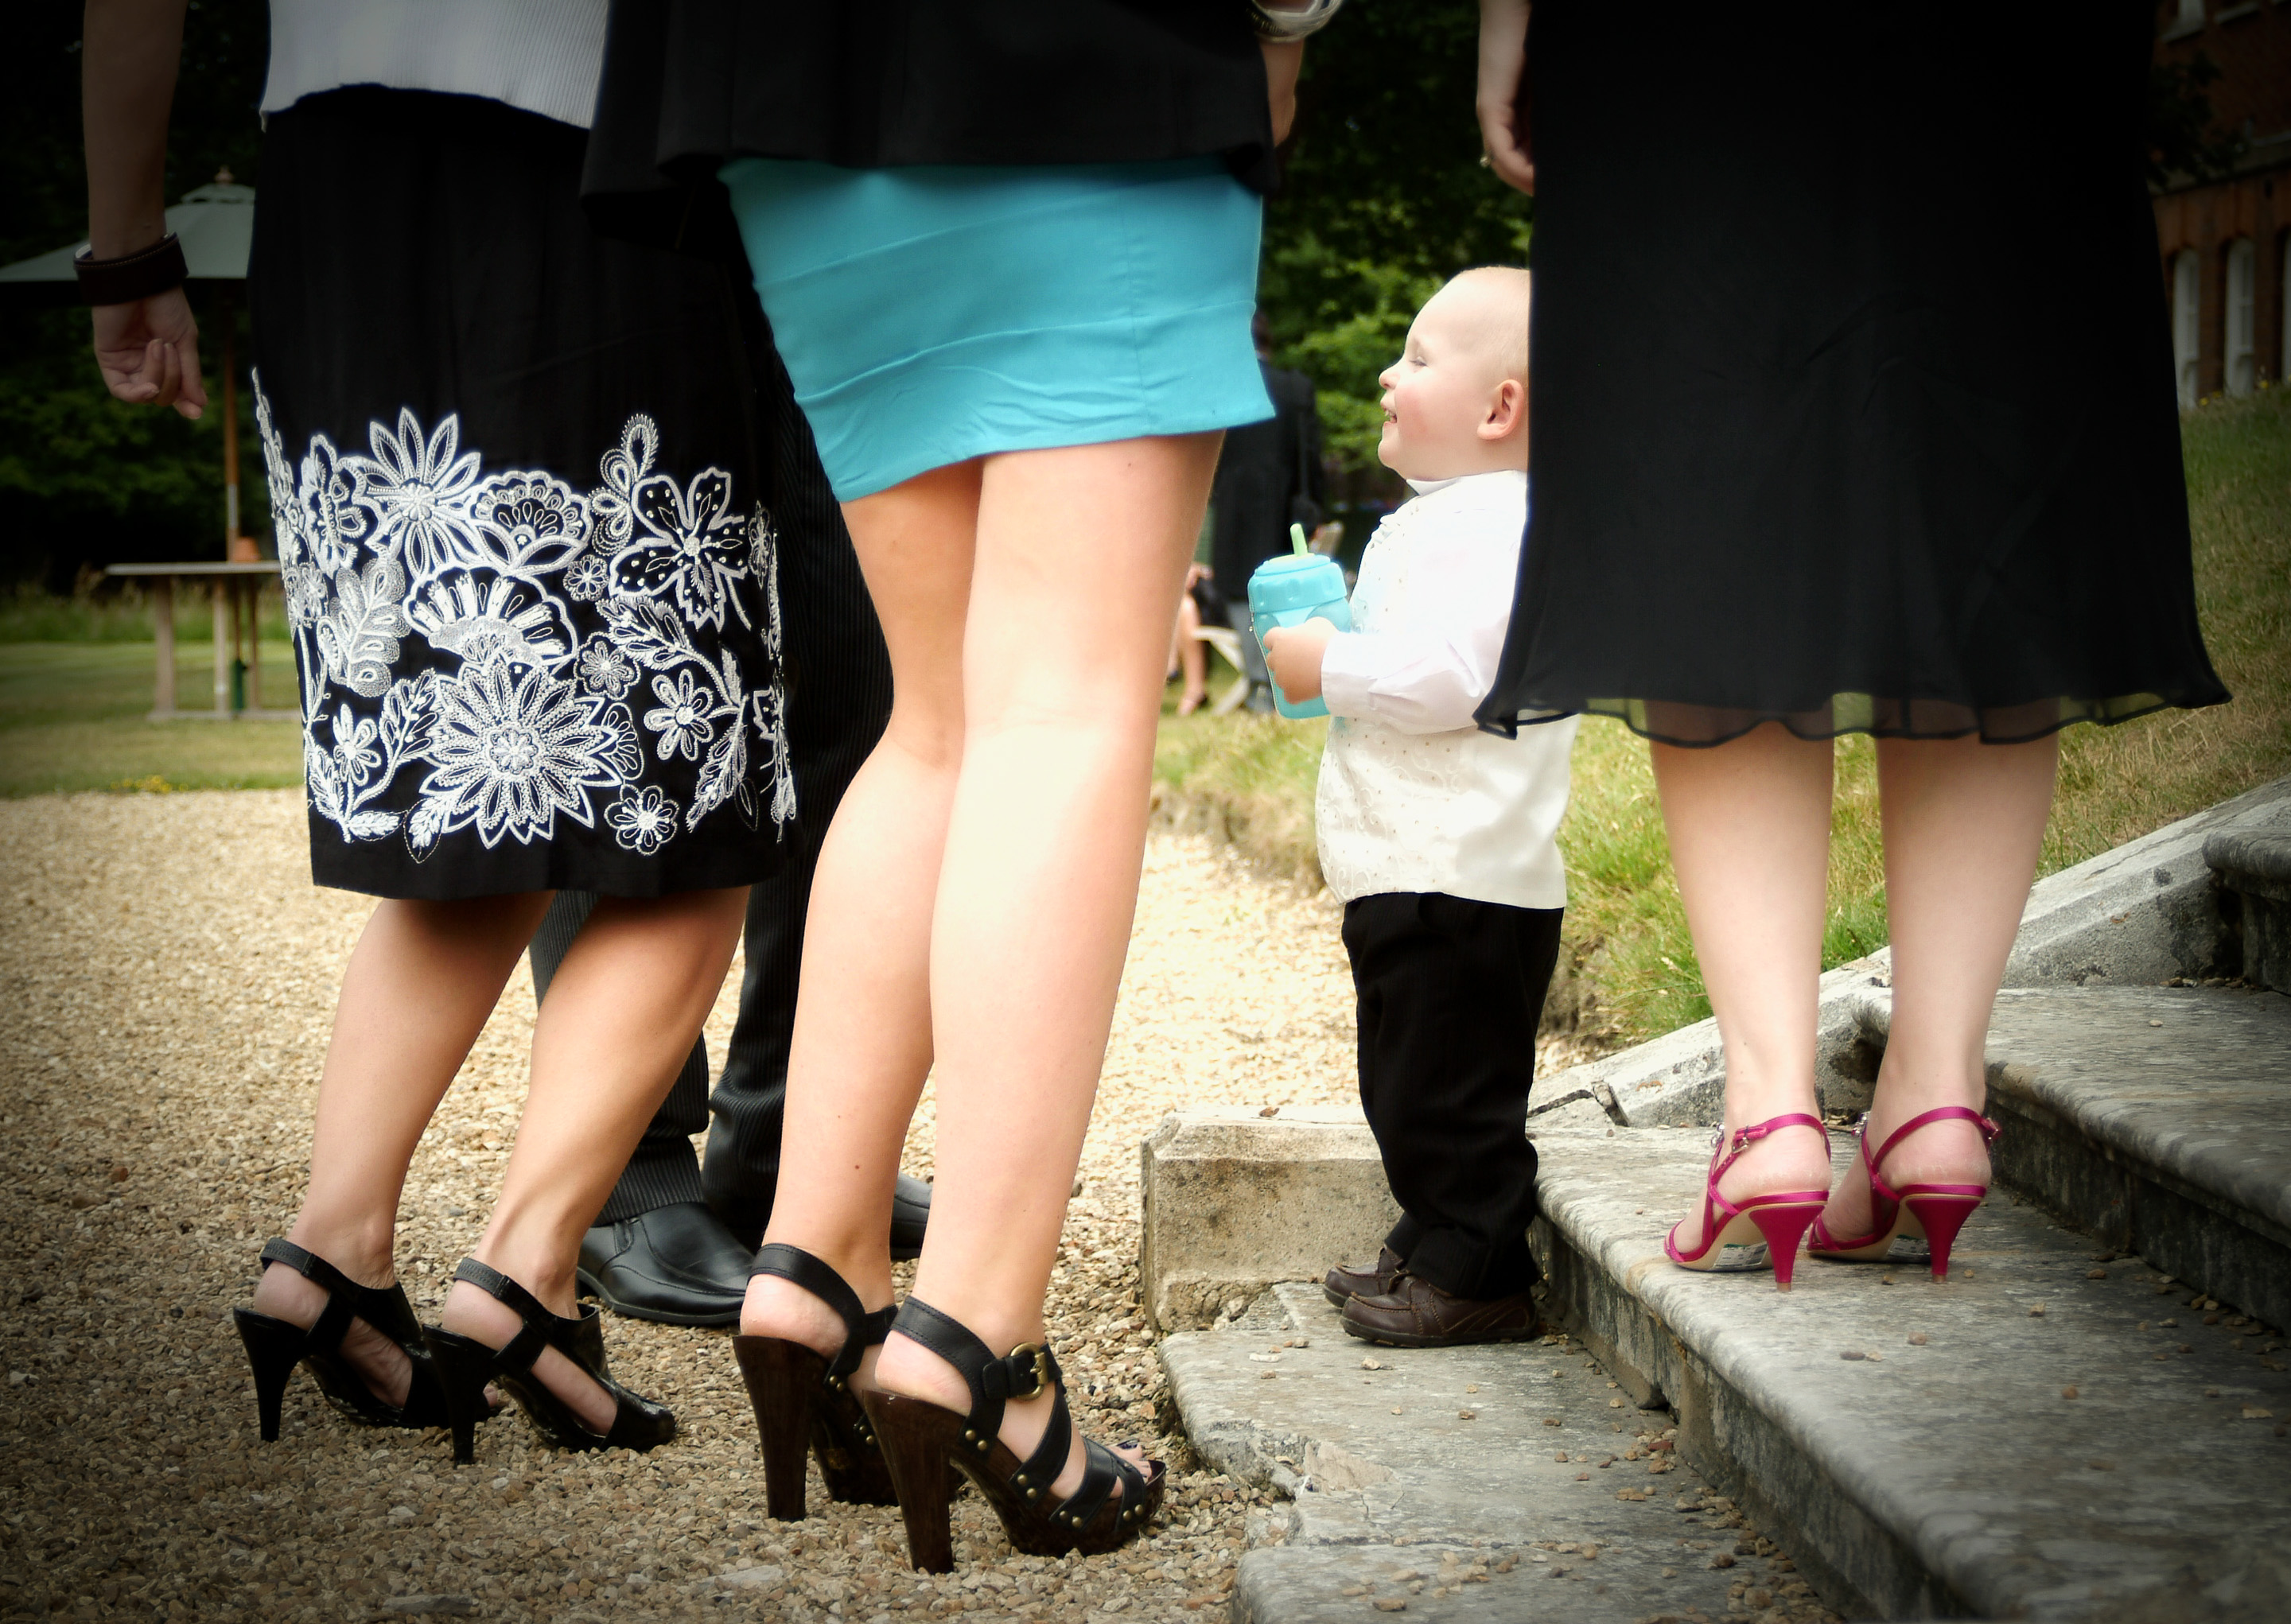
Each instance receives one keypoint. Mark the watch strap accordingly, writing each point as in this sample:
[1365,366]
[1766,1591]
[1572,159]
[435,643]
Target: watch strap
[132,275]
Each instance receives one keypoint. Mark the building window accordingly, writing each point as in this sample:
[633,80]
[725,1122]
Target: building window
[2242,316]
[2185,286]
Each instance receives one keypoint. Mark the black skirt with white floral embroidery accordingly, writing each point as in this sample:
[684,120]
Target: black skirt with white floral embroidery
[515,479]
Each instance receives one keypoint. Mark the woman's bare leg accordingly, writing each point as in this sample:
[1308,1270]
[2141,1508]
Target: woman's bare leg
[1081,552]
[862,1041]
[416,993]
[618,1022]
[1964,821]
[1749,838]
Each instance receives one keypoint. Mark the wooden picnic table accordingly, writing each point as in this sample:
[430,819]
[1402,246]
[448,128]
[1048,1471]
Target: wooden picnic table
[238,634]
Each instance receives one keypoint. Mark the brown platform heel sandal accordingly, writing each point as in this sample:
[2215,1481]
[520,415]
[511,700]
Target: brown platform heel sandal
[804,1401]
[920,1439]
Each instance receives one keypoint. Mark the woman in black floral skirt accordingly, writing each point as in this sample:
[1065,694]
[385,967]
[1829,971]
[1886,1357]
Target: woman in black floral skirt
[531,588]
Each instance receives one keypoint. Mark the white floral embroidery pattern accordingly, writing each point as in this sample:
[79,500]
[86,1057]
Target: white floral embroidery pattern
[643,820]
[536,612]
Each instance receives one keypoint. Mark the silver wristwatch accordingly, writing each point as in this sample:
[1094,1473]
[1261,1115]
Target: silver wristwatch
[1284,25]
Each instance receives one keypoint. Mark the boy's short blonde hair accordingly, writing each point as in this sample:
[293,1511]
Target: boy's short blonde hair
[1506,294]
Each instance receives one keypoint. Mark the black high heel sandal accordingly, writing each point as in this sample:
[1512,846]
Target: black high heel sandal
[803,1400]
[275,1346]
[465,1365]
[920,1439]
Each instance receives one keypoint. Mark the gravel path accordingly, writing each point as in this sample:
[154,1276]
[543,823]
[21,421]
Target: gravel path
[169,973]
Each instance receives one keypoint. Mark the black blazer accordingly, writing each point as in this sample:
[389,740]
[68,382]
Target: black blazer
[1262,471]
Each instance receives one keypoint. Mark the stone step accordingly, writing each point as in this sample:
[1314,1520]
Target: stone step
[2252,858]
[2155,1120]
[1397,1496]
[2062,1440]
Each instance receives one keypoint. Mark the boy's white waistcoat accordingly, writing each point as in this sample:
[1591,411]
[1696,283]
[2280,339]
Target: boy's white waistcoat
[1413,797]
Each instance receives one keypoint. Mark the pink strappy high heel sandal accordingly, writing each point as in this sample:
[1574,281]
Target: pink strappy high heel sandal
[1761,1226]
[1929,1212]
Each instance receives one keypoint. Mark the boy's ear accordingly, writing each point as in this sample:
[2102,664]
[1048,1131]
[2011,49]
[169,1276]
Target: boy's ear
[1507,410]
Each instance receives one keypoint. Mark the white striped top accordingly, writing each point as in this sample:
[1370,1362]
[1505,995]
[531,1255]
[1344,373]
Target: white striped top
[542,55]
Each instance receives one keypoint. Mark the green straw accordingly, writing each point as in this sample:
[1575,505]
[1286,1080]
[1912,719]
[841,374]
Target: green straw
[1296,540]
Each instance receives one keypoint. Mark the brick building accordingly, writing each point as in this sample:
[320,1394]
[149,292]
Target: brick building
[2227,242]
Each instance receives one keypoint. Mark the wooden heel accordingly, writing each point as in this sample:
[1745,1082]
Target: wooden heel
[921,1441]
[803,1399]
[918,1440]
[783,1378]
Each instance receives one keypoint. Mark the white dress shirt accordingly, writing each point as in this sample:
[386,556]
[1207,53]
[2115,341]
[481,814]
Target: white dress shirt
[1413,797]
[545,56]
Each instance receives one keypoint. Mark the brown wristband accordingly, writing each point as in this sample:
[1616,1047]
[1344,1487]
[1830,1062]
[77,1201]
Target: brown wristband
[132,275]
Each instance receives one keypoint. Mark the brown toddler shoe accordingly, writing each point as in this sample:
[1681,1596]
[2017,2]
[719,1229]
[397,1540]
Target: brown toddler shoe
[1340,1284]
[1416,1313]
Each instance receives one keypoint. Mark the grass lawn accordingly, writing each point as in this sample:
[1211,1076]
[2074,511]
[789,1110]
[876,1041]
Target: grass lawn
[1251,778]
[71,718]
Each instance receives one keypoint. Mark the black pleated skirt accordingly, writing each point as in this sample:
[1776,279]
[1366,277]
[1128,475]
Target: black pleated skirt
[514,473]
[1851,380]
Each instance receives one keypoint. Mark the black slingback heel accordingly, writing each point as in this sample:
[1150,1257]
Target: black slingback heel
[804,1401]
[465,1365]
[275,1346]
[920,1439]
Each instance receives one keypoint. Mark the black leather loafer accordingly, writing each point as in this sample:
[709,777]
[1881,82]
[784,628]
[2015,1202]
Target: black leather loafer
[910,1212]
[675,1264]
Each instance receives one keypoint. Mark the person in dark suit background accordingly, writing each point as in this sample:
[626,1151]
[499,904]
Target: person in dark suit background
[1268,477]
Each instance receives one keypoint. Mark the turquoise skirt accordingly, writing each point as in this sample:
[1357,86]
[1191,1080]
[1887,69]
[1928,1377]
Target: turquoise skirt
[928,315]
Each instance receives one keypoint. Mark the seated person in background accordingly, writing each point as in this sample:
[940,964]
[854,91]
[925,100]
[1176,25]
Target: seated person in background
[1186,654]
[1438,837]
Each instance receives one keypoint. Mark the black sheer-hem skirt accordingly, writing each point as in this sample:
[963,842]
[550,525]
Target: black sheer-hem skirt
[515,475]
[1696,726]
[1851,381]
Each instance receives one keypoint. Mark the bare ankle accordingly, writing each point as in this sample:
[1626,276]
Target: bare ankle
[776,1307]
[359,1250]
[471,1313]
[907,1367]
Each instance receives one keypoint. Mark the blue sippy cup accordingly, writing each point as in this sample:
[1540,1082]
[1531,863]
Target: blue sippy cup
[1289,591]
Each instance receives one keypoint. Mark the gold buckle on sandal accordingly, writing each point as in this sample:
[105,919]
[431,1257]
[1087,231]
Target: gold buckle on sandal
[1043,1377]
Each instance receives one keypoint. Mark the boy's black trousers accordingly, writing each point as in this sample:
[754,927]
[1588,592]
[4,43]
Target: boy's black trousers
[1450,992]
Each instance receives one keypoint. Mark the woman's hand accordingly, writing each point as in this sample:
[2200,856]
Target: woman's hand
[1503,84]
[150,352]
[147,349]
[1281,64]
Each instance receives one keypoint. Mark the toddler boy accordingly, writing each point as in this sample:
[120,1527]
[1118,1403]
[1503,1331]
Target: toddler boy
[1438,837]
